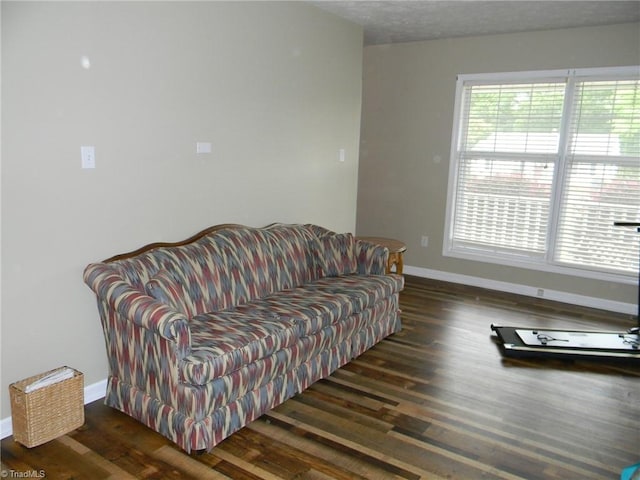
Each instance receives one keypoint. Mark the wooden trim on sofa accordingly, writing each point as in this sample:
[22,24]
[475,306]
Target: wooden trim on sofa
[189,240]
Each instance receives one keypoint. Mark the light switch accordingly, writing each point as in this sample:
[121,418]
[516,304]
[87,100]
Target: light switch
[203,147]
[341,154]
[88,156]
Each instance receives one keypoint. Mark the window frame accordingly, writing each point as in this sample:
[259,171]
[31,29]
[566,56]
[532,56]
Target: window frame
[546,262]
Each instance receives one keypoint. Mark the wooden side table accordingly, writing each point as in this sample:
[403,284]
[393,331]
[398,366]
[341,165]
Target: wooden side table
[396,249]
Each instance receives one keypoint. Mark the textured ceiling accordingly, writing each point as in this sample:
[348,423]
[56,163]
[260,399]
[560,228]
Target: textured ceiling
[409,21]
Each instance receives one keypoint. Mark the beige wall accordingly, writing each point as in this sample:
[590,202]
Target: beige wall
[407,114]
[275,87]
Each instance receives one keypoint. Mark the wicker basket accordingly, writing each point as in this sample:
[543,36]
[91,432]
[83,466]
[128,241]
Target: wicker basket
[48,412]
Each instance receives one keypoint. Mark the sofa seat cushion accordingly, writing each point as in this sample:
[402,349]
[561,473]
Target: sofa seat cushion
[313,309]
[326,301]
[223,342]
[223,390]
[363,290]
[348,294]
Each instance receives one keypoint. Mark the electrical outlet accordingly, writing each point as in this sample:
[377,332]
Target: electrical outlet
[541,292]
[424,241]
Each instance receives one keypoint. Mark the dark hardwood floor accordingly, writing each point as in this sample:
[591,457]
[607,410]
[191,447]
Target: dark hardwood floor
[435,401]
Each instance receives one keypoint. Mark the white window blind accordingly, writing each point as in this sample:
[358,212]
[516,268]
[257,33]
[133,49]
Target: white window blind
[543,166]
[508,150]
[602,182]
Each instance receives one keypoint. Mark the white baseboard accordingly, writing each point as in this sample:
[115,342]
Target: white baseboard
[92,393]
[556,295]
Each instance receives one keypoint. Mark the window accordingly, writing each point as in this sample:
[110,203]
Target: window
[543,163]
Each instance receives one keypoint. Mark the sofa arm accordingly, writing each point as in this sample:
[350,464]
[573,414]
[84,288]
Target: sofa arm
[137,307]
[372,258]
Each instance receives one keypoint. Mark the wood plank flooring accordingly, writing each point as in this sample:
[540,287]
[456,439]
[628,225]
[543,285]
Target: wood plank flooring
[435,401]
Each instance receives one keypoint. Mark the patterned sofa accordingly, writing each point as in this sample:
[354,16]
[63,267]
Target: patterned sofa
[205,335]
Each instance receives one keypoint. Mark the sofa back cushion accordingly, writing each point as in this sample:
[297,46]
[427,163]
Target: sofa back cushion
[165,287]
[294,254]
[227,267]
[240,267]
[222,270]
[338,254]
